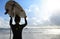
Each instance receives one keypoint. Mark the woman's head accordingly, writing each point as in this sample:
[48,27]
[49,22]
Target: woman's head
[17,19]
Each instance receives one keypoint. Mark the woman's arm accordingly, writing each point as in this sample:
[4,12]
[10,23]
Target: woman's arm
[11,21]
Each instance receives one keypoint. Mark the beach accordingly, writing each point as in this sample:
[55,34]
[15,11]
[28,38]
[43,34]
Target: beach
[34,33]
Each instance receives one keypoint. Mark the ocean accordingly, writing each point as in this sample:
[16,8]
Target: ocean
[34,33]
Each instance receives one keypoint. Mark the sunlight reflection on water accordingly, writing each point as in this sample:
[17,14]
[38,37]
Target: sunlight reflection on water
[36,33]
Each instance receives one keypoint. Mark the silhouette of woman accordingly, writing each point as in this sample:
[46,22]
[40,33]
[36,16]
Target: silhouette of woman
[17,28]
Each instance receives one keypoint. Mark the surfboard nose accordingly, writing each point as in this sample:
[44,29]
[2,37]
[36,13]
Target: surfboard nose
[5,13]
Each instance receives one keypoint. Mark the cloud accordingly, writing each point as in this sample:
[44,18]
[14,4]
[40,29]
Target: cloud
[36,15]
[40,14]
[3,23]
[55,19]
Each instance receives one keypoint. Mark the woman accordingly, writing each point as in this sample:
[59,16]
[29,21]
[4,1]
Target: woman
[17,28]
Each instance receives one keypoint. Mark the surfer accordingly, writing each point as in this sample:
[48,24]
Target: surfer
[17,28]
[13,9]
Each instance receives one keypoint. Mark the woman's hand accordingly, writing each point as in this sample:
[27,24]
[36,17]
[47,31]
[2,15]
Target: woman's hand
[25,17]
[10,17]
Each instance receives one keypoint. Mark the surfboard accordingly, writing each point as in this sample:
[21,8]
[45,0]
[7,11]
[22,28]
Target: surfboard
[14,9]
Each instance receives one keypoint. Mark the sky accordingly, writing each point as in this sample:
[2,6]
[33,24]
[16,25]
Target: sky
[39,12]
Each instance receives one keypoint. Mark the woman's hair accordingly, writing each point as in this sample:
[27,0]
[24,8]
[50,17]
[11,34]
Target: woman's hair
[17,18]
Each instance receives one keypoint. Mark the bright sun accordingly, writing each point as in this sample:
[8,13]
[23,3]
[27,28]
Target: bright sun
[49,7]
